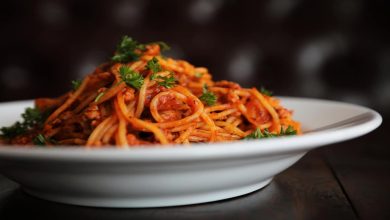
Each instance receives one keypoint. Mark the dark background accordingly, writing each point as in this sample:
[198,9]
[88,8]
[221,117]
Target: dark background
[334,49]
[330,49]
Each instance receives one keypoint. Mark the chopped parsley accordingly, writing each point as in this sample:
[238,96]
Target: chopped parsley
[99,96]
[208,97]
[39,140]
[257,134]
[129,50]
[266,92]
[12,131]
[289,131]
[76,84]
[153,65]
[166,81]
[126,50]
[32,118]
[131,77]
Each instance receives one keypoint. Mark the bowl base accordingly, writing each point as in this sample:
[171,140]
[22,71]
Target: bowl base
[175,200]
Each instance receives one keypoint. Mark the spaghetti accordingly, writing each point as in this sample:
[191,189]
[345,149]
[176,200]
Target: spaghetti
[142,97]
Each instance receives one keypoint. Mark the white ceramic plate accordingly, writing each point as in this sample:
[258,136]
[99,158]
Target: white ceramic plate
[178,175]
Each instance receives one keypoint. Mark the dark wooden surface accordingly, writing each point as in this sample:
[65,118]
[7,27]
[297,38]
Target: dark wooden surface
[350,180]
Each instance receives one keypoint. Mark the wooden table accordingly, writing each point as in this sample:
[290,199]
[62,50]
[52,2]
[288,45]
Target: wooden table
[350,180]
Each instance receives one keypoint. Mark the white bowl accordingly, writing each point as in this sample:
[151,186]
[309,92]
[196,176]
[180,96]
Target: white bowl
[177,175]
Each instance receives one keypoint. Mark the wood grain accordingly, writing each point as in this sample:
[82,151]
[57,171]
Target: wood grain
[363,169]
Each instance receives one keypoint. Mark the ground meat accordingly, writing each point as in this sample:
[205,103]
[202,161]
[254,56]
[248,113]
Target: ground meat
[92,112]
[24,139]
[128,94]
[169,102]
[284,113]
[151,92]
[171,115]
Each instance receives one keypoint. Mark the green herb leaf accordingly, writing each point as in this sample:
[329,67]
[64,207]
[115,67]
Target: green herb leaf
[257,134]
[13,131]
[166,81]
[39,140]
[153,65]
[208,97]
[131,77]
[76,84]
[154,76]
[99,96]
[32,118]
[126,50]
[289,131]
[266,92]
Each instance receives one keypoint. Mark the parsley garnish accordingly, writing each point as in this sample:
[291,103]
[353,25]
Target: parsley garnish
[289,131]
[153,65]
[131,77]
[126,50]
[166,81]
[76,84]
[265,91]
[32,117]
[13,131]
[99,96]
[257,134]
[130,50]
[39,140]
[208,97]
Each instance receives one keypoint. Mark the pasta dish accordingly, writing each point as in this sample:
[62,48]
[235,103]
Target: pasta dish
[141,97]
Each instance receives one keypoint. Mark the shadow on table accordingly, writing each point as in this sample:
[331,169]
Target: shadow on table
[307,190]
[20,205]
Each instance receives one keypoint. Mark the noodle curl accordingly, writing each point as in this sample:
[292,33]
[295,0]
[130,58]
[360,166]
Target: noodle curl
[170,107]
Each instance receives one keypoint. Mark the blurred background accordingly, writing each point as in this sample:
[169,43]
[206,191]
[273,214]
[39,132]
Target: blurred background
[332,49]
[329,49]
